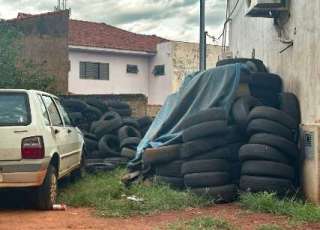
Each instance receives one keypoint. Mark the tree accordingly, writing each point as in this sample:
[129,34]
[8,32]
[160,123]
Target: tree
[15,71]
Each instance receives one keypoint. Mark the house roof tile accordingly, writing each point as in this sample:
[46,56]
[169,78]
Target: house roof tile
[92,34]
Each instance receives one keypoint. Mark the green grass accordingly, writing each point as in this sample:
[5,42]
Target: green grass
[108,196]
[297,210]
[201,223]
[269,227]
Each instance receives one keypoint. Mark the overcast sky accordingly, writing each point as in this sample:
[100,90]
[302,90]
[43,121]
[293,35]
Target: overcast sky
[172,19]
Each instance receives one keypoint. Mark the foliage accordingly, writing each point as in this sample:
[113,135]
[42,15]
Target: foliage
[297,210]
[15,71]
[109,196]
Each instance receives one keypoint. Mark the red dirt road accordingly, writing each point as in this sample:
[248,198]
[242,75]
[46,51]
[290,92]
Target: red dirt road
[80,218]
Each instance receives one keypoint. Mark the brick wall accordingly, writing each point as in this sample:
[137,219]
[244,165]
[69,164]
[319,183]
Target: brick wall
[45,42]
[137,102]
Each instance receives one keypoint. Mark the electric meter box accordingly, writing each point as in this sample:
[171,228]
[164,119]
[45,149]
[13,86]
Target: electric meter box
[266,8]
[311,162]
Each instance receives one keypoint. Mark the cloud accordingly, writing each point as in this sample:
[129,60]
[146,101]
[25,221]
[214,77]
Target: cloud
[173,19]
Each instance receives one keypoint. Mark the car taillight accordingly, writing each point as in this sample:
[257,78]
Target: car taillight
[32,148]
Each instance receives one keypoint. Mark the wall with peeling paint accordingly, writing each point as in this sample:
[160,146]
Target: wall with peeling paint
[299,66]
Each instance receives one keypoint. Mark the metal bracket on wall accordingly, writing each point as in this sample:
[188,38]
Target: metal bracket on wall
[290,45]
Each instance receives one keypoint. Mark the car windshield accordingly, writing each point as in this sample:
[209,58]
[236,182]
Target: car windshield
[14,109]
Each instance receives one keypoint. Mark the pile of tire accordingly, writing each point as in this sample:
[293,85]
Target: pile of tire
[203,161]
[111,135]
[269,160]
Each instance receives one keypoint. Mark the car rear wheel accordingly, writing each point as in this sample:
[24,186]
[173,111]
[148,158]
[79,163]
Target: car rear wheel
[46,194]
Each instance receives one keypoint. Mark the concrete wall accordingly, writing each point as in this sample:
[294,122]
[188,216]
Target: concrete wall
[161,86]
[185,60]
[299,66]
[45,43]
[120,82]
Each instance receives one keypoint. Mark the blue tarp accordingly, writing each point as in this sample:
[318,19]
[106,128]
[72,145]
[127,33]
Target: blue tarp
[212,88]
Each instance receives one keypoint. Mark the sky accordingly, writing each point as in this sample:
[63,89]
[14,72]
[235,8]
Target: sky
[171,19]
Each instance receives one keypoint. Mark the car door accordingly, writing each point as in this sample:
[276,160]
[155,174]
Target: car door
[74,139]
[59,133]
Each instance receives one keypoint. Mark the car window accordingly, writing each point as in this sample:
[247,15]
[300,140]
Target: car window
[65,116]
[53,111]
[43,111]
[14,109]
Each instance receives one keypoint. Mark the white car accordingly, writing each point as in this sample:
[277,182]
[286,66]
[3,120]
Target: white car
[38,144]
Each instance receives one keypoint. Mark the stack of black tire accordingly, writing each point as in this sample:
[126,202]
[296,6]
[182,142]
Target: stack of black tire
[202,161]
[269,160]
[111,135]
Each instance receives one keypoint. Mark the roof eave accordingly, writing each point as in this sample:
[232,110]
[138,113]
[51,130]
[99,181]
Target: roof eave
[109,50]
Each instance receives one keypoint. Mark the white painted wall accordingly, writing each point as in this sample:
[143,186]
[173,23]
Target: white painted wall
[161,86]
[299,66]
[120,82]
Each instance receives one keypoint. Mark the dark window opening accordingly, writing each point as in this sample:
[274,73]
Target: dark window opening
[132,69]
[159,70]
[94,71]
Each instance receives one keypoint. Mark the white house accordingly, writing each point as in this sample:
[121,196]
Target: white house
[108,60]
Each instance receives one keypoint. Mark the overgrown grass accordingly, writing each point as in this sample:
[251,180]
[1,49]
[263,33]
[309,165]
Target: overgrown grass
[201,223]
[109,196]
[297,210]
[269,227]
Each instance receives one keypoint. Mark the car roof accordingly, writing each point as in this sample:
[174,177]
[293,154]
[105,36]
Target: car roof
[27,91]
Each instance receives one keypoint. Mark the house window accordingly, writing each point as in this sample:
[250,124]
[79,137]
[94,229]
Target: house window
[159,70]
[93,70]
[132,69]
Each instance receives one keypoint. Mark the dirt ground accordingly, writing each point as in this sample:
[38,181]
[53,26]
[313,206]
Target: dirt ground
[81,218]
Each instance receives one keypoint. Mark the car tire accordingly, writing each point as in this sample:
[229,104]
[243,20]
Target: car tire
[289,104]
[266,126]
[122,112]
[200,146]
[276,115]
[234,151]
[162,154]
[241,109]
[204,129]
[97,103]
[130,142]
[109,145]
[172,169]
[258,63]
[128,131]
[219,153]
[106,127]
[74,105]
[128,152]
[267,169]
[261,152]
[206,179]
[46,194]
[144,121]
[212,114]
[129,121]
[174,182]
[90,144]
[269,81]
[220,194]
[200,166]
[282,144]
[265,184]
[92,113]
